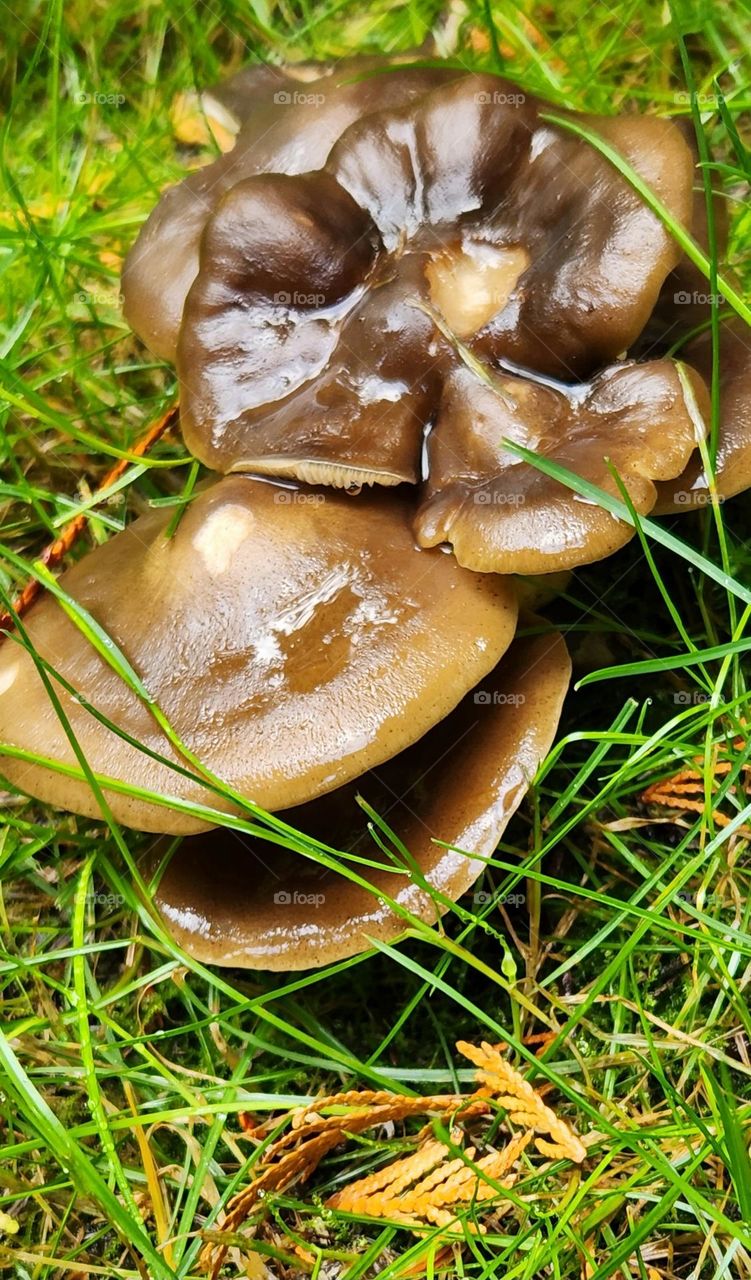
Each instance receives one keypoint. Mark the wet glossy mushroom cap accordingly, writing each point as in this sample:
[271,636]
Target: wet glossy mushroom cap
[733,462]
[598,255]
[293,639]
[500,513]
[295,222]
[685,301]
[232,900]
[289,124]
[479,225]
[567,259]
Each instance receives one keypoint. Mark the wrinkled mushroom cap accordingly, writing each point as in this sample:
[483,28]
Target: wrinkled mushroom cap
[289,123]
[231,899]
[501,514]
[733,461]
[293,639]
[461,217]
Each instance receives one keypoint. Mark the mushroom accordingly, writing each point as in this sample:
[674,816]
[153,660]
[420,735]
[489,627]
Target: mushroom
[294,639]
[288,124]
[733,461]
[230,899]
[330,308]
[685,302]
[500,513]
[395,272]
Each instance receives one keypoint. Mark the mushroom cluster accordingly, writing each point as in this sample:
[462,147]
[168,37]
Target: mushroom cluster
[401,282]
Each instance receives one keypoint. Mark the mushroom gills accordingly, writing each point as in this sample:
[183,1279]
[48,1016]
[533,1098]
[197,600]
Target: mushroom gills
[313,472]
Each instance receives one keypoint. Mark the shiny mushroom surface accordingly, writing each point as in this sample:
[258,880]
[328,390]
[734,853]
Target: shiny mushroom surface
[230,899]
[288,124]
[685,298]
[473,224]
[501,514]
[293,639]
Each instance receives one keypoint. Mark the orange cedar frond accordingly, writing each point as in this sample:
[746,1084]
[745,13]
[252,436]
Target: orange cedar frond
[498,1163]
[685,789]
[400,1108]
[421,1188]
[446,1183]
[381,1187]
[524,1105]
[353,1098]
[443,1186]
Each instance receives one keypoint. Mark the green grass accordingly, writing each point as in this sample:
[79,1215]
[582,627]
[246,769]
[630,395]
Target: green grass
[632,944]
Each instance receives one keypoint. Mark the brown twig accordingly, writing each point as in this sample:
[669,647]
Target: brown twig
[57,550]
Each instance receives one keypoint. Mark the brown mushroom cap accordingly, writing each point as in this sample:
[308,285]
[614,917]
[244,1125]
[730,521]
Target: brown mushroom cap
[289,124]
[733,462]
[529,242]
[500,513]
[599,256]
[685,303]
[230,899]
[293,639]
[581,258]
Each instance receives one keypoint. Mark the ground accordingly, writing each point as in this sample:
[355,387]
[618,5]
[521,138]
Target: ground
[621,929]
